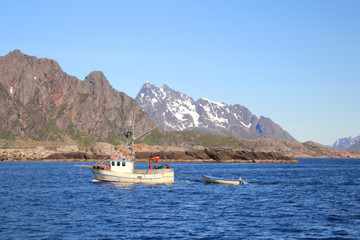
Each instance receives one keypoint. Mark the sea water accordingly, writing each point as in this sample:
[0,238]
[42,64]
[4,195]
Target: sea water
[313,199]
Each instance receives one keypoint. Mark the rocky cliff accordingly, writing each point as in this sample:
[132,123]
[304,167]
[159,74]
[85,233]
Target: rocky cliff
[180,112]
[40,101]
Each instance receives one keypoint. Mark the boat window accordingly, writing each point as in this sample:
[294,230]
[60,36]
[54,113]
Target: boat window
[113,163]
[124,164]
[118,163]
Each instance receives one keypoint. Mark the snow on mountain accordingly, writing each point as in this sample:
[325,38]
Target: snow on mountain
[164,104]
[180,112]
[346,143]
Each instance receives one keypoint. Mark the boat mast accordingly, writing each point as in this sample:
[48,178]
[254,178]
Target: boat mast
[132,138]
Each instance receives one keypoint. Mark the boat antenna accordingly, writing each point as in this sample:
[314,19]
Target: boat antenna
[132,138]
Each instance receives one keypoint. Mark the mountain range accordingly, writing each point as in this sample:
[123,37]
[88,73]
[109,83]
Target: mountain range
[39,101]
[348,143]
[179,112]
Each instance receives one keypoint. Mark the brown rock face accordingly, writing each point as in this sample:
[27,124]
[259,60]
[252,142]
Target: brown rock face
[38,100]
[216,154]
[298,150]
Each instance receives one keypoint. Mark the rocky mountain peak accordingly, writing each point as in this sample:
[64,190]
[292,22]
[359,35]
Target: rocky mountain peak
[180,112]
[165,87]
[349,143]
[96,78]
[40,101]
[15,53]
[17,56]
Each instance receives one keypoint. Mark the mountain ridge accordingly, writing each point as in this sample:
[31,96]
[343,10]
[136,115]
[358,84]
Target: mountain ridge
[39,101]
[180,112]
[349,143]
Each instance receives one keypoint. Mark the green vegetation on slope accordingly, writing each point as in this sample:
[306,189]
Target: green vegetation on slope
[184,139]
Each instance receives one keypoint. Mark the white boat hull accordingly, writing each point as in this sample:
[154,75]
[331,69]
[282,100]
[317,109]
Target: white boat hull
[209,179]
[139,176]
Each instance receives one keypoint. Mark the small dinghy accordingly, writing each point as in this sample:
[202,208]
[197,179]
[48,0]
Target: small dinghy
[209,179]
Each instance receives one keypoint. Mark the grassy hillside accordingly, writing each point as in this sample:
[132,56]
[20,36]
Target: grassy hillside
[188,139]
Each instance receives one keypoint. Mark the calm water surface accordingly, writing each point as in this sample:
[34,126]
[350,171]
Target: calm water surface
[314,199]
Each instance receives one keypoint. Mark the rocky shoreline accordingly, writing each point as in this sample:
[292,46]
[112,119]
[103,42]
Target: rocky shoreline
[215,154]
[143,152]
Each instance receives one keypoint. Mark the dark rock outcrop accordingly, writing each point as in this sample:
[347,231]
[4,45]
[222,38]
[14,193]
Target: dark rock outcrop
[218,155]
[40,101]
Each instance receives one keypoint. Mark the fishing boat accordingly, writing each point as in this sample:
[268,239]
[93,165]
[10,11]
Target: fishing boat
[121,168]
[209,179]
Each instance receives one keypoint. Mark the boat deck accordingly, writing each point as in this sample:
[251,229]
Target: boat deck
[153,171]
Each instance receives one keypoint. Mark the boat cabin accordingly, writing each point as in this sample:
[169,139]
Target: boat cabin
[123,164]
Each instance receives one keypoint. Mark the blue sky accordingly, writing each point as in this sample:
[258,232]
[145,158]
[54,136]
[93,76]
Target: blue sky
[296,62]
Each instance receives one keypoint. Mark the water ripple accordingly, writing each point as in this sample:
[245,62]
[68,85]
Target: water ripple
[309,200]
